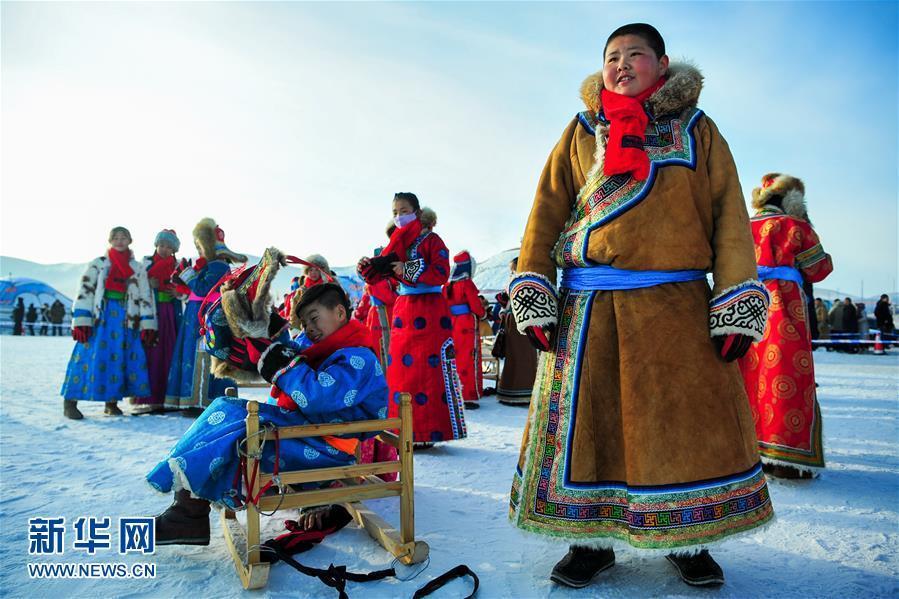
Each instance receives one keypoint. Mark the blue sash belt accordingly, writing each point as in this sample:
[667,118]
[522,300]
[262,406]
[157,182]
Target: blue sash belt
[784,273]
[418,290]
[460,309]
[604,277]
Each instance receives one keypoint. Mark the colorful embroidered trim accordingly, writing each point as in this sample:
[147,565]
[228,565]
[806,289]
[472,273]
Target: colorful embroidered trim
[811,256]
[668,141]
[544,501]
[453,389]
[813,457]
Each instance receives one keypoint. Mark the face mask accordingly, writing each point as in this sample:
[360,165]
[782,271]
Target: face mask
[404,219]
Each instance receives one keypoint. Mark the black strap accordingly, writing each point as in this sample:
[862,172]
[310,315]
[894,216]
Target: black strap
[335,577]
[457,572]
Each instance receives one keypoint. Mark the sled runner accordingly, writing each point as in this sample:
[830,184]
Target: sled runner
[360,482]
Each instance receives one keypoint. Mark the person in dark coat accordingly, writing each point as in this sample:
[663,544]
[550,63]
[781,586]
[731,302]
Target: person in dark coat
[57,315]
[31,318]
[850,316]
[883,313]
[18,315]
[835,318]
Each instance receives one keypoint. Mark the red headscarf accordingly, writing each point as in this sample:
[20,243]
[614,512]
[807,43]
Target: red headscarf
[119,270]
[352,334]
[628,121]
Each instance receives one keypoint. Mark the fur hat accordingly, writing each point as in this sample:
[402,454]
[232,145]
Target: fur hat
[785,190]
[428,218]
[169,237]
[210,239]
[463,266]
[319,261]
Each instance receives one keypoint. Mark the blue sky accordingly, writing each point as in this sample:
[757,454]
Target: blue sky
[293,123]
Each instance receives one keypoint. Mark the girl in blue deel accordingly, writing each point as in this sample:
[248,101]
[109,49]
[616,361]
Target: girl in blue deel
[112,317]
[336,379]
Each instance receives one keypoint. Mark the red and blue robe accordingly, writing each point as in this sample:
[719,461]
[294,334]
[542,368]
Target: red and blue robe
[778,371]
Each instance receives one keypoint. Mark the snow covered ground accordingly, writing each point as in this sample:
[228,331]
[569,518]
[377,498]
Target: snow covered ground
[834,537]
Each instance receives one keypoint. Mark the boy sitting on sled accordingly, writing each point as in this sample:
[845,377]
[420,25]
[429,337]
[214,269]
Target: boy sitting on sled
[337,378]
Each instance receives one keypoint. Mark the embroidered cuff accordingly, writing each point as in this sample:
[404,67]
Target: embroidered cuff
[187,275]
[412,269]
[811,256]
[741,309]
[534,301]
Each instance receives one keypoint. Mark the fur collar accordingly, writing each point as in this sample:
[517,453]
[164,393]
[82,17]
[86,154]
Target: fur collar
[680,92]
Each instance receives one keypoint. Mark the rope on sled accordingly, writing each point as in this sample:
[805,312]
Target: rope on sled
[243,473]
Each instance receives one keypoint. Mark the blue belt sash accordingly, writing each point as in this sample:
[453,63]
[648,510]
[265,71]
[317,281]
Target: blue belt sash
[418,290]
[459,309]
[784,273]
[608,278]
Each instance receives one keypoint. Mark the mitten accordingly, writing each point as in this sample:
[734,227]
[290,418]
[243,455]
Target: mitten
[274,359]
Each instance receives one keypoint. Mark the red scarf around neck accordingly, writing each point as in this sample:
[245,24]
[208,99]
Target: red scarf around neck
[119,270]
[352,334]
[401,239]
[628,121]
[309,283]
[162,270]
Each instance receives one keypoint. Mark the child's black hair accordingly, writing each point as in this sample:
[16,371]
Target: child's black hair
[644,31]
[408,197]
[330,295]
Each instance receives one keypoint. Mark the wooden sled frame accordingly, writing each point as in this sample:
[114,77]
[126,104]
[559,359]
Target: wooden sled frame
[360,483]
[489,365]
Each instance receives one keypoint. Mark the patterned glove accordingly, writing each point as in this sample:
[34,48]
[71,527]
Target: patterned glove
[275,358]
[81,334]
[732,347]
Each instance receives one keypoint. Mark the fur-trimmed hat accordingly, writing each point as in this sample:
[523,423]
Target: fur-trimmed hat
[210,239]
[428,218]
[786,191]
[168,237]
[463,266]
[319,261]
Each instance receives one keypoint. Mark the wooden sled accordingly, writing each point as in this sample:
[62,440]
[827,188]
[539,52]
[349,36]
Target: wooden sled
[360,483]
[489,364]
